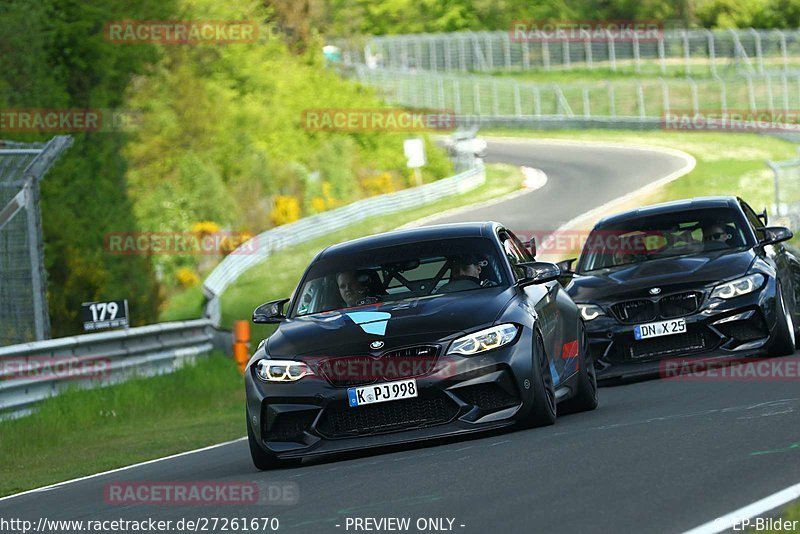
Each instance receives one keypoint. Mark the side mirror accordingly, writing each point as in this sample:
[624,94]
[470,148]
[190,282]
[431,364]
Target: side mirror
[539,272]
[566,266]
[763,216]
[531,246]
[776,234]
[271,312]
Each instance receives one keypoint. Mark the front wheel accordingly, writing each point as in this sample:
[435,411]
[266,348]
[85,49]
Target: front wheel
[784,342]
[585,398]
[544,392]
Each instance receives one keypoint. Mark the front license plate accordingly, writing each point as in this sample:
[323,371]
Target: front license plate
[388,391]
[661,328]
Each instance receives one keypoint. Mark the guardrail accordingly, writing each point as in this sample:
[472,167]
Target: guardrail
[261,246]
[31,372]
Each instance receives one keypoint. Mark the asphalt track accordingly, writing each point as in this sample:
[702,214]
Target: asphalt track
[656,456]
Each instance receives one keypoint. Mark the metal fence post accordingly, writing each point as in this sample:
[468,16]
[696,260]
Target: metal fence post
[587,46]
[545,54]
[759,55]
[686,58]
[565,53]
[587,112]
[775,173]
[612,52]
[711,53]
[664,97]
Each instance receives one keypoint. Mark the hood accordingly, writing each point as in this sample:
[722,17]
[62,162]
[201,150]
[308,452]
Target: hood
[670,274]
[397,324]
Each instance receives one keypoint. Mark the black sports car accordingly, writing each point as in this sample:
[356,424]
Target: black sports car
[412,335]
[699,278]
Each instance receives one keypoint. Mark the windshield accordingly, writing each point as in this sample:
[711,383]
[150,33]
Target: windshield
[663,236]
[396,273]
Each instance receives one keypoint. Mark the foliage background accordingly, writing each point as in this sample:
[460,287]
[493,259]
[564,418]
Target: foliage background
[218,140]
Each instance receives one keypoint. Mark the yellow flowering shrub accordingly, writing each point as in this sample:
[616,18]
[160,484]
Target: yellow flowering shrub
[187,277]
[286,209]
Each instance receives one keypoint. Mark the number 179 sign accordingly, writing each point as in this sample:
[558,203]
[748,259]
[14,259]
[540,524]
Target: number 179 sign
[100,315]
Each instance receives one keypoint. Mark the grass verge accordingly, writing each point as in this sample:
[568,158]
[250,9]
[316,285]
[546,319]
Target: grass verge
[89,431]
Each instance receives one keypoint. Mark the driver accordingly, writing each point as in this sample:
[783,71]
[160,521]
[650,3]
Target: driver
[356,287]
[465,273]
[352,287]
[716,233]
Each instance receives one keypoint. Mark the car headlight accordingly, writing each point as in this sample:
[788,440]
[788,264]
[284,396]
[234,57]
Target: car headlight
[590,311]
[484,340]
[738,287]
[281,370]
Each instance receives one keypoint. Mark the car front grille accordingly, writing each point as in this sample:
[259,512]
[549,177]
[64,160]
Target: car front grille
[667,307]
[634,311]
[396,364]
[679,305]
[487,396]
[429,409]
[666,345]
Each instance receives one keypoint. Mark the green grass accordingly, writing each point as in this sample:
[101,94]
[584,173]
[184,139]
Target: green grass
[183,305]
[88,431]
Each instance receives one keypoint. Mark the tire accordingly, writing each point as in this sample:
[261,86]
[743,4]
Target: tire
[585,398]
[263,460]
[544,409]
[784,341]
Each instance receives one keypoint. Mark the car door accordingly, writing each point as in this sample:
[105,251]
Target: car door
[543,298]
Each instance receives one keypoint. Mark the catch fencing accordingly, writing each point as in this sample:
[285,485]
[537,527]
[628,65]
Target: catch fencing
[23,302]
[263,245]
[686,52]
[641,101]
[787,190]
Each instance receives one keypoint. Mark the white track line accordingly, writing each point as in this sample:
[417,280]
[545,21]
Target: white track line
[728,521]
[87,477]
